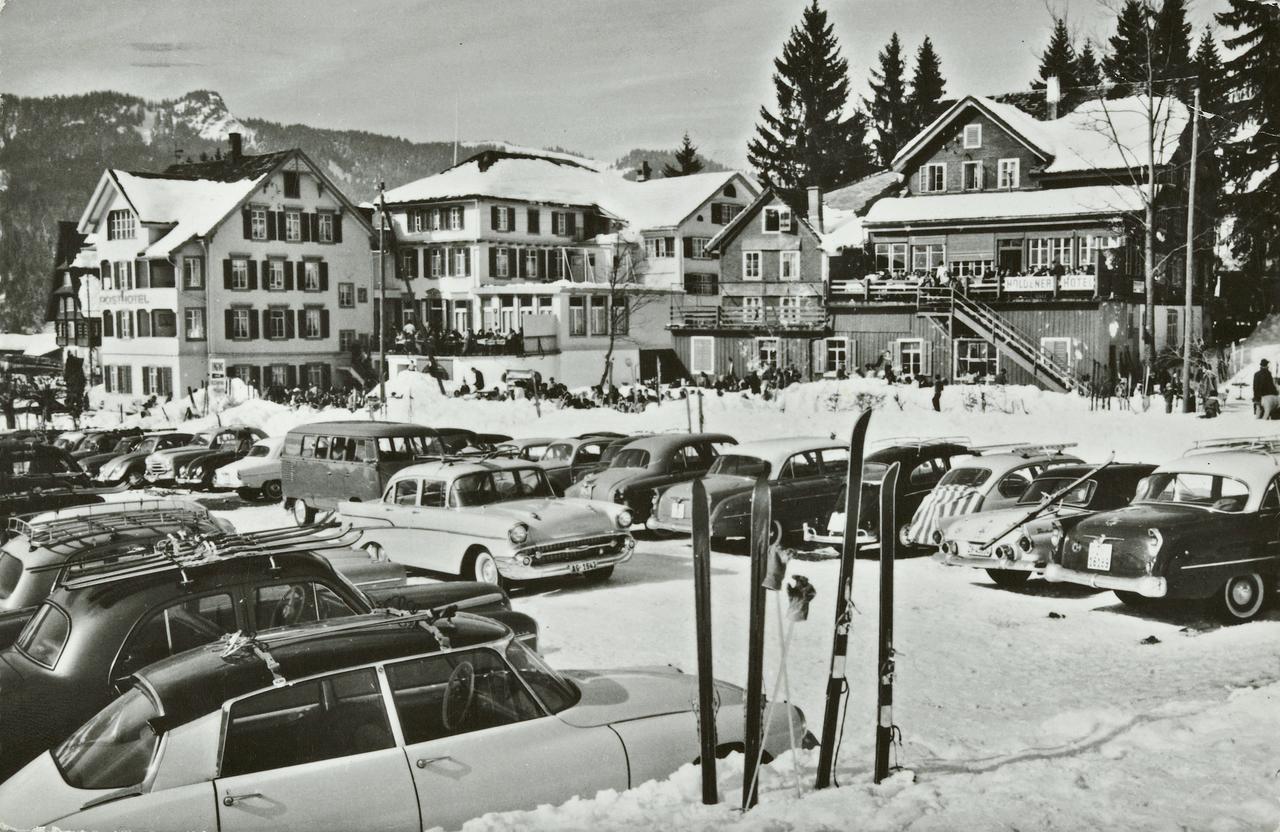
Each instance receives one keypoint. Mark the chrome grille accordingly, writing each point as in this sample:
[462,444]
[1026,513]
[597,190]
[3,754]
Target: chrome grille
[582,548]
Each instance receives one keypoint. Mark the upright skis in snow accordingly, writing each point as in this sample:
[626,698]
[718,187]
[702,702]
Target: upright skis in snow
[836,683]
[761,528]
[885,728]
[702,617]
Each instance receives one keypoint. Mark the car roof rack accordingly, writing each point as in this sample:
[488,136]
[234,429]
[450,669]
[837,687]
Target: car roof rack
[179,554]
[921,441]
[70,532]
[1024,449]
[1262,444]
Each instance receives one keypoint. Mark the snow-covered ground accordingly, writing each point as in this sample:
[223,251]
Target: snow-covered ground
[1049,707]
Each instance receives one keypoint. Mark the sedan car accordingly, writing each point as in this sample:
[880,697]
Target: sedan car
[567,460]
[530,448]
[34,476]
[923,463]
[493,520]
[257,473]
[101,441]
[1012,544]
[805,475]
[131,467]
[196,470]
[94,462]
[993,477]
[1205,526]
[646,466]
[377,721]
[163,465]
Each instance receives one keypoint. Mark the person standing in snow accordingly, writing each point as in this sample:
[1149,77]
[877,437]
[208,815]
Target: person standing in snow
[938,384]
[1264,388]
[479,379]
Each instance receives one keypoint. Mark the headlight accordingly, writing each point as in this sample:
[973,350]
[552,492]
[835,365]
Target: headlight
[518,533]
[1005,551]
[937,536]
[1024,543]
[624,519]
[1154,541]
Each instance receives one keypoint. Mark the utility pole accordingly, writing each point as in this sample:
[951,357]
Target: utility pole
[382,295]
[1191,253]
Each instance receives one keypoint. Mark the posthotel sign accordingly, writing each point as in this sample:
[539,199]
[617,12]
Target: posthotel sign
[218,375]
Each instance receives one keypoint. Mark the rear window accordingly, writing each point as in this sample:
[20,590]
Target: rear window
[631,458]
[260,450]
[1048,486]
[559,451]
[736,465]
[10,573]
[113,749]
[971,477]
[45,636]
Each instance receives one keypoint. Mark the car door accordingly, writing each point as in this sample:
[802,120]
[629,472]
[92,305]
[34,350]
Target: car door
[183,625]
[799,482]
[1010,487]
[917,483]
[477,741]
[585,460]
[835,470]
[318,754]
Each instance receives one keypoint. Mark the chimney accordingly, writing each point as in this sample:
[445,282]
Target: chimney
[642,174]
[1052,95]
[815,207]
[236,146]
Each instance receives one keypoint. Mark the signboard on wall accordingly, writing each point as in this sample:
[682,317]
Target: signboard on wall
[218,375]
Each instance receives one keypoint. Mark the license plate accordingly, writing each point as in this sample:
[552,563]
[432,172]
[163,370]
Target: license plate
[677,510]
[973,550]
[1099,555]
[585,566]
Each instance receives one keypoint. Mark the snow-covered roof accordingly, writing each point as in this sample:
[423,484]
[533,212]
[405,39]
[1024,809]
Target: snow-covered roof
[1100,134]
[665,203]
[843,209]
[990,206]
[35,344]
[193,206]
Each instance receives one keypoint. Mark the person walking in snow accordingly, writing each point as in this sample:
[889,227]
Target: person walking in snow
[1265,397]
[938,384]
[479,378]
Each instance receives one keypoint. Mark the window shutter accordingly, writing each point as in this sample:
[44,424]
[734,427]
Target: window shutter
[166,381]
[324,276]
[226,319]
[291,375]
[289,329]
[255,377]
[511,219]
[248,222]
[265,271]
[146,381]
[280,225]
[226,274]
[254,332]
[571,224]
[542,264]
[253,274]
[770,219]
[688,247]
[926,356]
[462,218]
[493,261]
[144,323]
[288,275]
[534,217]
[315,226]
[108,325]
[273,233]
[324,323]
[493,217]
[466,262]
[337,227]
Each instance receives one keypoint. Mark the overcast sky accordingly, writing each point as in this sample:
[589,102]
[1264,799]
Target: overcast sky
[595,76]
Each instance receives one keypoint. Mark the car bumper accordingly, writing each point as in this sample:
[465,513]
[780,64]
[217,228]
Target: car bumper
[523,566]
[159,479]
[189,480]
[992,562]
[866,540]
[673,526]
[1148,586]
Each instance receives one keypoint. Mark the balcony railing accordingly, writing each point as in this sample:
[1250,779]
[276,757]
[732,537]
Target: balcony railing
[993,287]
[808,317]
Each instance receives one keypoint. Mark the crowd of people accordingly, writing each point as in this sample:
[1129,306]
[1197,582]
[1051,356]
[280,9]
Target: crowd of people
[411,339]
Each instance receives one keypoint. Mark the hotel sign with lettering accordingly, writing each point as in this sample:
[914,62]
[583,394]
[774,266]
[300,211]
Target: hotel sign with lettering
[124,299]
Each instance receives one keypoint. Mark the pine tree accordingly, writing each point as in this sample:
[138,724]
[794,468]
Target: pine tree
[927,86]
[1088,70]
[890,111]
[809,142]
[1209,74]
[1129,58]
[1059,58]
[1252,161]
[686,158]
[1150,44]
[1173,42]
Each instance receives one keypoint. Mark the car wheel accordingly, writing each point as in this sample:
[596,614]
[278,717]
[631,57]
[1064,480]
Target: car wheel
[1132,599]
[776,533]
[135,479]
[302,513]
[1008,578]
[1242,598]
[904,542]
[484,568]
[599,576]
[272,490]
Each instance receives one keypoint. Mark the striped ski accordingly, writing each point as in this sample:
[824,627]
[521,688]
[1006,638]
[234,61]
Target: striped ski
[761,528]
[836,684]
[885,728]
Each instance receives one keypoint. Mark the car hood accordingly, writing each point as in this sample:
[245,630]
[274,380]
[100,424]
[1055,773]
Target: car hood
[37,796]
[1137,519]
[557,515]
[603,482]
[177,456]
[985,525]
[124,459]
[610,696]
[206,458]
[718,487]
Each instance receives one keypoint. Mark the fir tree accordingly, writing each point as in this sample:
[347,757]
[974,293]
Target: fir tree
[890,110]
[808,142]
[1059,58]
[927,86]
[1150,44]
[1172,51]
[1252,161]
[1088,70]
[686,158]
[1209,74]
[1129,59]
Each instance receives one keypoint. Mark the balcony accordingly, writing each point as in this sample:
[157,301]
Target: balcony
[79,332]
[805,318]
[875,290]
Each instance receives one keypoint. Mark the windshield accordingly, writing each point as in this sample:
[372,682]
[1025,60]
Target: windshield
[1048,486]
[202,439]
[149,445]
[10,572]
[113,749]
[555,691]
[560,450]
[971,477]
[126,445]
[228,443]
[486,487]
[1204,490]
[735,465]
[631,458]
[260,450]
[45,635]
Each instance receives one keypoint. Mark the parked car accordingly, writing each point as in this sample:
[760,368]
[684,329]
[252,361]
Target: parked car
[195,469]
[405,725]
[257,473]
[992,477]
[67,441]
[325,463]
[493,520]
[131,467]
[163,466]
[923,463]
[805,475]
[125,444]
[1014,543]
[565,460]
[110,616]
[101,441]
[530,447]
[1204,526]
[642,468]
[34,476]
[37,544]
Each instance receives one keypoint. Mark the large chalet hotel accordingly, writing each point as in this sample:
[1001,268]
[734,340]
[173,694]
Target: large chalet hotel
[998,243]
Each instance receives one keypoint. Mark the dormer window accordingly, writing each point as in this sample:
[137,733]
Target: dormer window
[972,136]
[933,178]
[120,225]
[777,219]
[292,184]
